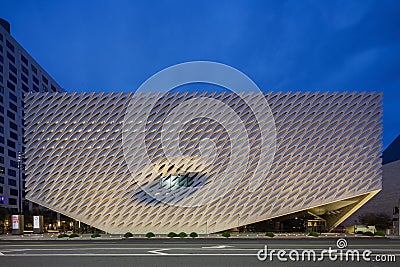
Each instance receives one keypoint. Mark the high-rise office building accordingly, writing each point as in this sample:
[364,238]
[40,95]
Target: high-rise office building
[19,74]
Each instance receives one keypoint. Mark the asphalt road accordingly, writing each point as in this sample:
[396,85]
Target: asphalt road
[200,252]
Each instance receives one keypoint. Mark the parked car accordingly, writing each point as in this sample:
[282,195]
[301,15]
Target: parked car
[360,229]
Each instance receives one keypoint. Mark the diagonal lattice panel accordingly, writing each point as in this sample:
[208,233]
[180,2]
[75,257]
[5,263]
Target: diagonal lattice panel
[83,156]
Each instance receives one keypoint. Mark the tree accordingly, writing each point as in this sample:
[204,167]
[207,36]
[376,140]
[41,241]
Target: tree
[193,234]
[150,235]
[381,221]
[226,234]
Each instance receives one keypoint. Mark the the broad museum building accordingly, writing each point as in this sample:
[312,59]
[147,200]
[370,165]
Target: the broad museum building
[204,162]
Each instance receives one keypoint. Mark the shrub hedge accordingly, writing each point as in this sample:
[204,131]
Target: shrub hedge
[368,233]
[128,234]
[193,234]
[182,234]
[314,234]
[172,234]
[379,233]
[95,235]
[62,235]
[150,235]
[226,234]
[270,234]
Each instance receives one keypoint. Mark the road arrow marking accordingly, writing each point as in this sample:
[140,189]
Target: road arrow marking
[158,251]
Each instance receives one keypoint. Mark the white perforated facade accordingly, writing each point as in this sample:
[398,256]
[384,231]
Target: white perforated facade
[118,163]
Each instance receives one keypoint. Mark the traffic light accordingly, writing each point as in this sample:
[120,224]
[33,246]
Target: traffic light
[396,210]
[2,200]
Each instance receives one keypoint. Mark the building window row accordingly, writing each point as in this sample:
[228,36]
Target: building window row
[13,163]
[12,201]
[24,78]
[25,88]
[10,45]
[12,173]
[35,80]
[12,154]
[11,115]
[24,59]
[10,57]
[13,135]
[12,78]
[13,192]
[13,106]
[34,69]
[11,86]
[13,126]
[44,79]
[12,68]
[11,143]
[12,182]
[12,97]
[24,70]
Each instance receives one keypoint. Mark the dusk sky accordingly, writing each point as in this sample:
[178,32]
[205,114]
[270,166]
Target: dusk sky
[281,45]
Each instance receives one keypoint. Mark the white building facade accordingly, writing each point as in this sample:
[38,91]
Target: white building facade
[203,162]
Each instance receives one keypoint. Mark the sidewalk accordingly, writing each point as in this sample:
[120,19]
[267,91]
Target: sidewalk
[54,236]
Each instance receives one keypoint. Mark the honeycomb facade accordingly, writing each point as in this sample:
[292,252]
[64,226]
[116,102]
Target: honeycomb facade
[119,162]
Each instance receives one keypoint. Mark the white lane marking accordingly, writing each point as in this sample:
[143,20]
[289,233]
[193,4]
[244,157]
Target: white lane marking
[159,251]
[152,249]
[120,255]
[79,249]
[219,247]
[11,250]
[156,253]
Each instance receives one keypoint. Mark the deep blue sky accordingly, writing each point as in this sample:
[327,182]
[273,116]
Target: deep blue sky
[281,45]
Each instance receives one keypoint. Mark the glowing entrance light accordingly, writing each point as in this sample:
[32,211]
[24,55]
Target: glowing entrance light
[176,181]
